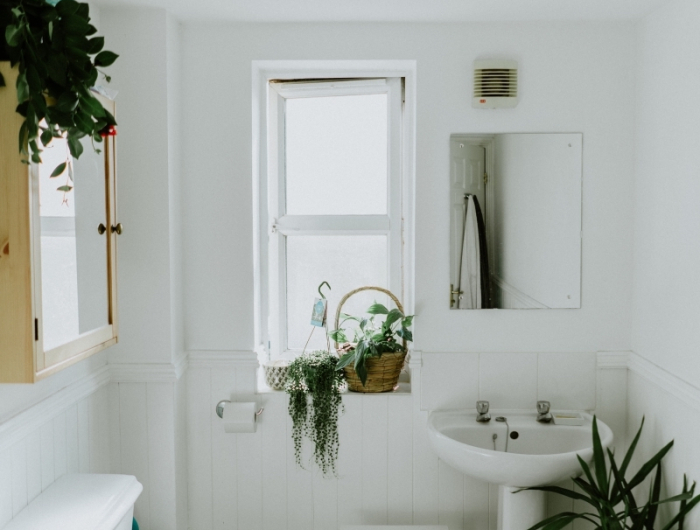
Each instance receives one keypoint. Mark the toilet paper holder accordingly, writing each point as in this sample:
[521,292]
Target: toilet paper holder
[222,404]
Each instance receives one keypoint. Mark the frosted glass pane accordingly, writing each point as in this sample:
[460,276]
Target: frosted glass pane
[346,263]
[336,155]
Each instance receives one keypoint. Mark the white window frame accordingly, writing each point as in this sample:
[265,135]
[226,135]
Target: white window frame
[271,225]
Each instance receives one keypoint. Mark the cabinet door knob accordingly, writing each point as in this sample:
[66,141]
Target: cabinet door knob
[117,228]
[101,229]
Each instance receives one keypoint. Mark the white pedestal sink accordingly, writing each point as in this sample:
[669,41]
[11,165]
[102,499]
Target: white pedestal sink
[537,454]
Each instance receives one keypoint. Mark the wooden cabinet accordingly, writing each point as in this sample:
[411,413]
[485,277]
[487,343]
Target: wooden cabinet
[57,251]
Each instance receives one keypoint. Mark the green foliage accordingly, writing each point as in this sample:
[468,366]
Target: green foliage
[313,385]
[53,48]
[371,339]
[610,494]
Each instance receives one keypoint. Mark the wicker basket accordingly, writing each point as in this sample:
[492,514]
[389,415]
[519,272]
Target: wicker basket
[382,372]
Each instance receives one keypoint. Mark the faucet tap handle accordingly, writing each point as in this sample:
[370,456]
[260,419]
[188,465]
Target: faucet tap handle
[482,407]
[543,407]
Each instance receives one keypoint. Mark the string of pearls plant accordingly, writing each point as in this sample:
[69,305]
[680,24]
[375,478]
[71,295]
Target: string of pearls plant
[313,386]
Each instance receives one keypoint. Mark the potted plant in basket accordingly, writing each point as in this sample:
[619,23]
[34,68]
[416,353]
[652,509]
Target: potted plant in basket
[373,359]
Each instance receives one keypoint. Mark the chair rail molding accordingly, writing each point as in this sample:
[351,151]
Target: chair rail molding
[19,426]
[613,360]
[223,359]
[666,381]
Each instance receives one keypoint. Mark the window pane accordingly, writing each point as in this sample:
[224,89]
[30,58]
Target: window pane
[346,263]
[336,155]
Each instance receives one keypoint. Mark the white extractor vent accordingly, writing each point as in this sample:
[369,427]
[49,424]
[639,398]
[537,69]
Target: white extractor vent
[495,84]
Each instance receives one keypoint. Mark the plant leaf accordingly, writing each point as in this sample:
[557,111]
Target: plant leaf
[377,309]
[599,460]
[95,45]
[392,317]
[405,334]
[345,360]
[64,188]
[105,58]
[563,491]
[649,466]
[630,452]
[60,168]
[406,322]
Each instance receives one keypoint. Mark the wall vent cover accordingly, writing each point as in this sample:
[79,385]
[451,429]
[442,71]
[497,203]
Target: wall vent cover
[495,84]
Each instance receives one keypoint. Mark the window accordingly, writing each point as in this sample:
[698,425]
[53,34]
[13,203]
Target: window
[331,202]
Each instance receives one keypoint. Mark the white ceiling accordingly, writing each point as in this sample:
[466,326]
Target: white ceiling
[399,10]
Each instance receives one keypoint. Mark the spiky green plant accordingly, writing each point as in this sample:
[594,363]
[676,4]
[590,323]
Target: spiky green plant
[313,385]
[611,496]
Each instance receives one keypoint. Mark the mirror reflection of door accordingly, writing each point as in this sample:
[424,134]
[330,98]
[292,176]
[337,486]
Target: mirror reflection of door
[531,204]
[468,170]
[74,282]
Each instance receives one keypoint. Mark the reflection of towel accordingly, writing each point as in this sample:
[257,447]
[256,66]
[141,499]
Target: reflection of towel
[474,270]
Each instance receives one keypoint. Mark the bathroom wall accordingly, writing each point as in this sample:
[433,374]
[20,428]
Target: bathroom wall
[387,473]
[563,70]
[664,380]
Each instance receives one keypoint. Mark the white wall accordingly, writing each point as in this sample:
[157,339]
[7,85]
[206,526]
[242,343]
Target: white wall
[665,382]
[563,67]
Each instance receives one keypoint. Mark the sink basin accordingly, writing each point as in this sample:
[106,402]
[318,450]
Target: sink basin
[538,453]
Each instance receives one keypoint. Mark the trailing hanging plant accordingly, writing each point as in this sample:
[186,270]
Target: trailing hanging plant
[313,385]
[610,495]
[58,60]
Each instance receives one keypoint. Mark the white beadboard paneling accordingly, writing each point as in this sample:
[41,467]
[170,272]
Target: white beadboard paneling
[47,457]
[83,436]
[133,420]
[350,431]
[493,507]
[580,506]
[5,487]
[225,475]
[375,445]
[451,497]
[476,504]
[199,448]
[300,503]
[273,427]
[611,403]
[425,468]
[508,380]
[72,449]
[325,495]
[115,462]
[567,380]
[99,431]
[449,381]
[19,477]
[248,463]
[160,399]
[33,442]
[399,460]
[59,445]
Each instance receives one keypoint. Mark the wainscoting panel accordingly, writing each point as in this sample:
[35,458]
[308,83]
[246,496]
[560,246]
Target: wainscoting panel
[65,433]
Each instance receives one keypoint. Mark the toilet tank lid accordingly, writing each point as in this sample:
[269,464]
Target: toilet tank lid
[80,502]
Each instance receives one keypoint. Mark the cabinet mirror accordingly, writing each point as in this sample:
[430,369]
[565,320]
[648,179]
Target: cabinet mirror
[515,221]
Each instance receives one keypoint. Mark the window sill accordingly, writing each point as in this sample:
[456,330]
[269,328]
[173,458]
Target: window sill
[403,390]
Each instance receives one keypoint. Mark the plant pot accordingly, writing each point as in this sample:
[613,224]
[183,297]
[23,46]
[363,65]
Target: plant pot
[276,374]
[382,373]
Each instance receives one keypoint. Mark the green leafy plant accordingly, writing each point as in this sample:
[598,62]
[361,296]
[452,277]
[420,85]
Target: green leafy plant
[371,338]
[58,59]
[610,494]
[313,385]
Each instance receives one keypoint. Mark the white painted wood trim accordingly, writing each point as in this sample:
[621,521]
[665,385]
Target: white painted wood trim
[222,358]
[669,383]
[147,373]
[613,360]
[18,427]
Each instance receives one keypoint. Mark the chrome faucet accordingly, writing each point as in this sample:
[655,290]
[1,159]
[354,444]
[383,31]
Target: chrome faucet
[543,414]
[482,408]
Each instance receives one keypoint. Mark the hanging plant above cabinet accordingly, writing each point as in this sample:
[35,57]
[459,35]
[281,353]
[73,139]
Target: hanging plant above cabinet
[59,59]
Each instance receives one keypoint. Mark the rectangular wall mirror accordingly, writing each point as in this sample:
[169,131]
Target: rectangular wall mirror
[515,221]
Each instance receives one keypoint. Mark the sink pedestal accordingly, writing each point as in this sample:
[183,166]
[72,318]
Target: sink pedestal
[520,511]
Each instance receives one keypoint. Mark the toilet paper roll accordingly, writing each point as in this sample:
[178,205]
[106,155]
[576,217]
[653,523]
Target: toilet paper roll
[239,417]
